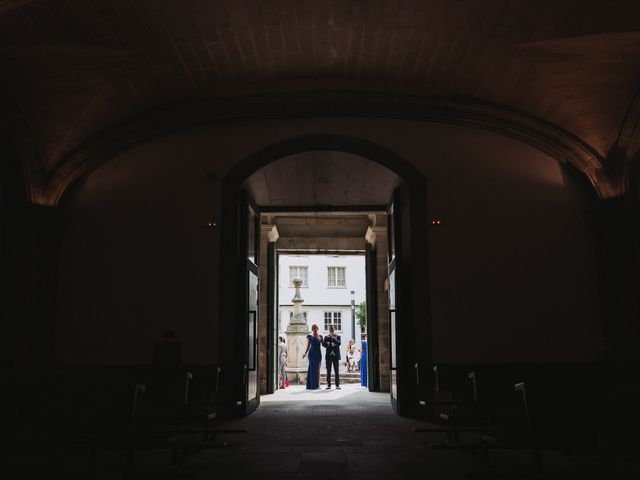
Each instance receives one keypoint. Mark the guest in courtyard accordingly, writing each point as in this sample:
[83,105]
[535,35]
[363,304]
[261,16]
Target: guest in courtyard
[314,341]
[363,361]
[332,356]
[357,351]
[282,362]
[350,354]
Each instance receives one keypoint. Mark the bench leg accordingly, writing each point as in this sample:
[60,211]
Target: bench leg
[485,456]
[537,460]
[456,437]
[129,460]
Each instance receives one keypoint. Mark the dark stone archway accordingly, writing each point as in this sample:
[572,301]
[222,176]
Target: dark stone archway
[417,349]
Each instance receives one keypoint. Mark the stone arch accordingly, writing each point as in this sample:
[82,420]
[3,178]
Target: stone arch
[20,172]
[342,143]
[626,153]
[548,138]
[414,241]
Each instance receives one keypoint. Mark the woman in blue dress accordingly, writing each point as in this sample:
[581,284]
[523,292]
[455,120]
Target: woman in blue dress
[363,361]
[315,356]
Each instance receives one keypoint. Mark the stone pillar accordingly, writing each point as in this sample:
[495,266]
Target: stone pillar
[297,332]
[30,240]
[617,223]
[377,237]
[268,234]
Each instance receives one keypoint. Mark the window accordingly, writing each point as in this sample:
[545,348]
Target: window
[298,273]
[336,277]
[304,314]
[333,318]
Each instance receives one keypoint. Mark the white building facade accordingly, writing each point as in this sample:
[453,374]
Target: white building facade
[327,285]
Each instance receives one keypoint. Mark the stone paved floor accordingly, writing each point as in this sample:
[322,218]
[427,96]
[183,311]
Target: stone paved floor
[349,434]
[353,434]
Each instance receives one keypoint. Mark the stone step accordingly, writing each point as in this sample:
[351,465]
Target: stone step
[351,377]
[299,378]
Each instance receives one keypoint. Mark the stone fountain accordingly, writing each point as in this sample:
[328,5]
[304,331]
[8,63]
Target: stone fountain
[297,332]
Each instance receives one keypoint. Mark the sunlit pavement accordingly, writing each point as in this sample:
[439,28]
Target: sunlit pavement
[298,393]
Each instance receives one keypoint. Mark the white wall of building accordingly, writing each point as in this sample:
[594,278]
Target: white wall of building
[320,297]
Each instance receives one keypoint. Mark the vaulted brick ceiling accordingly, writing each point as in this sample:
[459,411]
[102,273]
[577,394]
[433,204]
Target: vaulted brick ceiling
[76,68]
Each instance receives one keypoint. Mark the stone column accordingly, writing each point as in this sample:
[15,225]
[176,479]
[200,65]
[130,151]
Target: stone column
[268,234]
[297,332]
[377,237]
[617,228]
[617,223]
[30,238]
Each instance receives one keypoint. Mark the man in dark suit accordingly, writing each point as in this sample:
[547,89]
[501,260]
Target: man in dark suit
[331,343]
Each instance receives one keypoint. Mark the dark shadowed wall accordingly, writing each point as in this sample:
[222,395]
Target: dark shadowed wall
[512,265]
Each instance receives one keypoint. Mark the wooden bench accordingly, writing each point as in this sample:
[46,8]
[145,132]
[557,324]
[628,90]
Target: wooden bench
[163,415]
[459,416]
[523,437]
[486,425]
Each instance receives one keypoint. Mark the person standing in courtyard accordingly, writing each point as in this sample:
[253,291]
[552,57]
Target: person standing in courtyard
[356,356]
[363,361]
[349,352]
[314,342]
[282,362]
[332,356]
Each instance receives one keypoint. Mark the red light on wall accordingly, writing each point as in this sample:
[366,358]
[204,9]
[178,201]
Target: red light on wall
[436,222]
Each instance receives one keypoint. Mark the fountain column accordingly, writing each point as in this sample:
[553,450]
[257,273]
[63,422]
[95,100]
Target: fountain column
[297,332]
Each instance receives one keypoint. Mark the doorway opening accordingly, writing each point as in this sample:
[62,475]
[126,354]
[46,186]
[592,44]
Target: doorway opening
[316,187]
[332,295]
[333,256]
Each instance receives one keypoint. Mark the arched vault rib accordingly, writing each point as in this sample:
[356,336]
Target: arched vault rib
[550,139]
[627,150]
[8,5]
[13,120]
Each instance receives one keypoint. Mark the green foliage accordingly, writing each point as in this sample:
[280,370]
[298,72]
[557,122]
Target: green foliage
[361,315]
